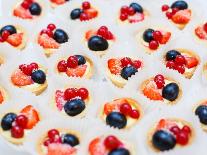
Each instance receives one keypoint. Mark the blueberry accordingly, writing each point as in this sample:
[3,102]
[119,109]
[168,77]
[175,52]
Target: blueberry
[163,140]
[70,139]
[75,13]
[148,35]
[35,9]
[9,28]
[181,5]
[38,76]
[97,43]
[128,71]
[60,36]
[119,151]
[171,55]
[116,119]
[74,107]
[7,120]
[138,8]
[170,91]
[201,111]
[81,59]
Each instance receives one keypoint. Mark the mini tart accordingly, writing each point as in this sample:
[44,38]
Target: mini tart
[35,88]
[59,101]
[7,134]
[3,95]
[189,71]
[42,149]
[1,60]
[97,146]
[149,89]
[88,73]
[202,106]
[204,71]
[56,3]
[114,69]
[114,106]
[165,125]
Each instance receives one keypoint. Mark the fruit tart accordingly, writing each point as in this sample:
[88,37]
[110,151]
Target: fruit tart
[31,77]
[160,88]
[201,112]
[51,38]
[72,101]
[13,35]
[99,40]
[75,66]
[121,113]
[134,13]
[183,61]
[55,3]
[16,125]
[178,13]
[3,95]
[168,134]
[28,9]
[108,145]
[58,142]
[84,13]
[119,70]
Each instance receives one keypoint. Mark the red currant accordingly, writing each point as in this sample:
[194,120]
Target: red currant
[57,139]
[182,138]
[5,35]
[125,108]
[126,61]
[1,40]
[25,4]
[17,132]
[131,11]
[174,10]
[137,64]
[21,121]
[205,27]
[72,62]
[134,114]
[180,59]
[102,31]
[124,9]
[123,16]
[169,15]
[159,77]
[83,17]
[62,66]
[153,45]
[51,27]
[180,69]
[160,84]
[83,93]
[165,7]
[53,133]
[186,129]
[86,5]
[34,66]
[27,70]
[111,142]
[47,142]
[170,64]
[175,130]
[70,93]
[157,35]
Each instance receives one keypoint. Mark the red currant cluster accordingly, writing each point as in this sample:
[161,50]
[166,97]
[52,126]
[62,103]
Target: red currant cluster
[128,62]
[182,135]
[111,143]
[159,81]
[169,14]
[71,93]
[127,110]
[26,4]
[49,30]
[86,13]
[125,12]
[105,33]
[53,136]
[28,69]
[72,62]
[4,36]
[157,39]
[177,64]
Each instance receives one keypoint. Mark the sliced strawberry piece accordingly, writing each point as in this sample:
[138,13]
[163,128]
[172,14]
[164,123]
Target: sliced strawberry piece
[199,31]
[15,39]
[32,115]
[60,149]
[47,42]
[79,71]
[59,99]
[92,13]
[20,79]
[58,2]
[89,34]
[1,98]
[113,106]
[138,17]
[151,91]
[191,62]
[96,147]
[165,37]
[165,124]
[182,16]
[114,66]
[22,13]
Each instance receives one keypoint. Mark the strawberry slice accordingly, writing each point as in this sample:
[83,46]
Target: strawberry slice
[199,31]
[32,115]
[92,13]
[79,71]
[22,13]
[15,39]
[1,98]
[165,124]
[47,42]
[59,99]
[114,66]
[113,106]
[165,37]
[138,17]
[18,78]
[182,16]
[151,91]
[96,147]
[89,34]
[60,149]
[191,62]
[58,2]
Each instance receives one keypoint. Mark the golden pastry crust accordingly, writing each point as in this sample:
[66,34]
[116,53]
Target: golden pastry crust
[116,79]
[204,70]
[4,94]
[1,60]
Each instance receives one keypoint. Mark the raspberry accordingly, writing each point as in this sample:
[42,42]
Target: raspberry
[70,93]
[131,11]
[111,142]
[137,64]
[170,64]
[126,61]
[124,9]
[83,93]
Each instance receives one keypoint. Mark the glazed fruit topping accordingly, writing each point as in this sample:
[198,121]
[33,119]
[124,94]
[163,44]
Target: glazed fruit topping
[7,120]
[116,120]
[17,132]
[70,139]
[170,91]
[28,69]
[33,7]
[160,81]
[72,93]
[105,33]
[111,142]
[53,136]
[127,110]
[201,112]
[98,43]
[201,31]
